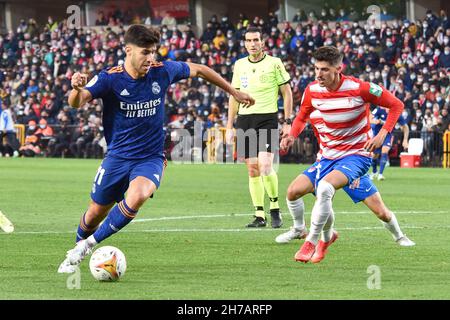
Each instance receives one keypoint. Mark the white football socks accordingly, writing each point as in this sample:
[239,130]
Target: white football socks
[393,227]
[297,211]
[328,229]
[321,211]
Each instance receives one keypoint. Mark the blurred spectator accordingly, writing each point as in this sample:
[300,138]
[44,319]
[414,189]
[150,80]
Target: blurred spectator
[410,58]
[168,20]
[8,140]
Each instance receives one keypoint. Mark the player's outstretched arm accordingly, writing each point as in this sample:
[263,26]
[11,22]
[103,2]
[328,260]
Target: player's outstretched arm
[198,70]
[79,96]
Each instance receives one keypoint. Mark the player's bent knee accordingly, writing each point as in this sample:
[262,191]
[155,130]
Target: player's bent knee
[325,190]
[265,169]
[253,170]
[292,194]
[384,215]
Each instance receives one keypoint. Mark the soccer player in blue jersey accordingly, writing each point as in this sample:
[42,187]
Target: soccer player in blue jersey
[133,117]
[381,155]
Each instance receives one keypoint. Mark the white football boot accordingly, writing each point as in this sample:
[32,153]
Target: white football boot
[81,250]
[381,177]
[75,256]
[405,241]
[292,234]
[5,224]
[66,267]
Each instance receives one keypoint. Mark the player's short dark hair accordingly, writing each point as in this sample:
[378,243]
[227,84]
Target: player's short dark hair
[253,29]
[329,54]
[142,36]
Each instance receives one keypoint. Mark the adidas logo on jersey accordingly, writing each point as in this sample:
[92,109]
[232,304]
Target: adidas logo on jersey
[156,176]
[124,92]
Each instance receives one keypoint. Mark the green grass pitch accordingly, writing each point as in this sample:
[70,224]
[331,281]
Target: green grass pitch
[189,242]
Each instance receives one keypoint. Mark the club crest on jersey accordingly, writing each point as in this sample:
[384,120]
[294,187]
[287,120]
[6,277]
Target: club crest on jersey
[156,89]
[244,81]
[375,89]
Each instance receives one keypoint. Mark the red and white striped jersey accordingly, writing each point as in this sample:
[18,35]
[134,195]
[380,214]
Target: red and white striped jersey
[343,118]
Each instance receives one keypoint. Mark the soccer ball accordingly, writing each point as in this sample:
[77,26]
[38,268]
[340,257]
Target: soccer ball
[108,264]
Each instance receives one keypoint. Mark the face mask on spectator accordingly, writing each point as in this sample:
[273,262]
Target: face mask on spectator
[418,114]
[413,76]
[437,52]
[432,89]
[42,126]
[446,40]
[447,52]
[389,44]
[413,127]
[425,25]
[439,99]
[388,33]
[422,60]
[430,63]
[429,104]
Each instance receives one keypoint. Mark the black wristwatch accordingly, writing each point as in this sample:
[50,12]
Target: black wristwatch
[288,121]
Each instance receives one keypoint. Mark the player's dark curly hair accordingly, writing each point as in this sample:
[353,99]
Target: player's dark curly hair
[329,54]
[142,36]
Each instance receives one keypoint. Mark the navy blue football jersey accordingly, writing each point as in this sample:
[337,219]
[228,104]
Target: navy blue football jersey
[381,114]
[133,109]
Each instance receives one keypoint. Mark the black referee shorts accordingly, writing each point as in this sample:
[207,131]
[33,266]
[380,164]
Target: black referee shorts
[257,133]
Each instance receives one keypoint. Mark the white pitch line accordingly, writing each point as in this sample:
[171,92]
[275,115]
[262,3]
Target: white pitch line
[248,214]
[237,229]
[224,230]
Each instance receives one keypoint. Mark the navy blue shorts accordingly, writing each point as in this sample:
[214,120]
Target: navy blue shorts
[114,176]
[358,191]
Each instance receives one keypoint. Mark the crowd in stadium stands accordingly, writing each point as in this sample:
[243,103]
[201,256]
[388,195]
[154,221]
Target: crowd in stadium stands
[410,58]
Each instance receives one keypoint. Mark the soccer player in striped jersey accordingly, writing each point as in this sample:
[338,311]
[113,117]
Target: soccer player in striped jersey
[133,116]
[362,189]
[346,145]
[381,155]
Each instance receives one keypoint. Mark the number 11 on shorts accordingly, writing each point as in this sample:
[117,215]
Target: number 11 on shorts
[99,176]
